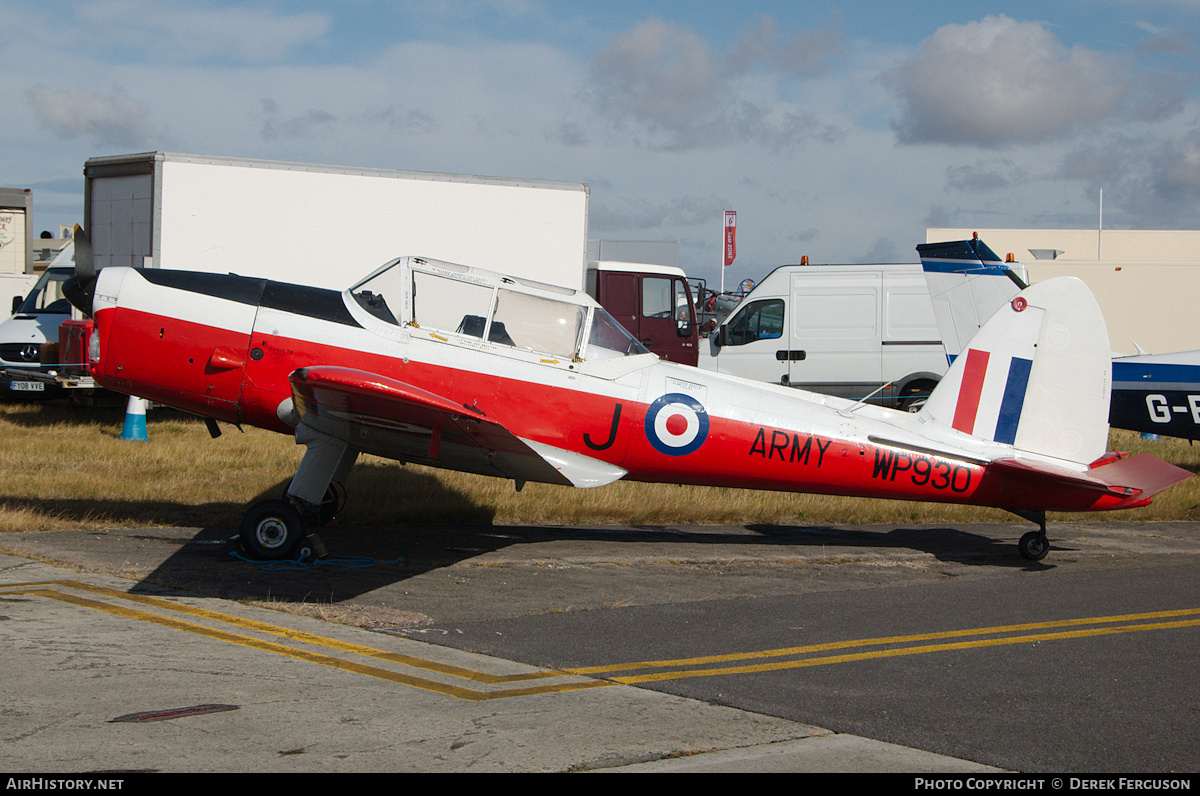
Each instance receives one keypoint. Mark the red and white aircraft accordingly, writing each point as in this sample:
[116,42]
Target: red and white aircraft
[460,368]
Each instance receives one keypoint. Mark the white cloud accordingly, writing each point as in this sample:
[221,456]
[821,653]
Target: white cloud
[78,112]
[1154,180]
[660,74]
[998,82]
[986,176]
[662,83]
[169,33]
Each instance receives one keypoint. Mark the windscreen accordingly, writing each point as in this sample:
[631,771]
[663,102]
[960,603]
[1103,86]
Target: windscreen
[610,339]
[47,296]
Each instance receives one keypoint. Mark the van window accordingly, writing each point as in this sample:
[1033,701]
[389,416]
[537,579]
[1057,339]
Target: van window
[47,296]
[758,320]
[656,297]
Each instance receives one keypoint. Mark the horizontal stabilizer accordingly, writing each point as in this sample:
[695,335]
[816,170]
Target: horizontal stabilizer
[1148,474]
[1133,480]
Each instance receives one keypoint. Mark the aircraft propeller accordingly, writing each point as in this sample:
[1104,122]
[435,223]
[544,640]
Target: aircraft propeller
[80,288]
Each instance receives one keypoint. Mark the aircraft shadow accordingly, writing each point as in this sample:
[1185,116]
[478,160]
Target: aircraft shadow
[948,544]
[362,559]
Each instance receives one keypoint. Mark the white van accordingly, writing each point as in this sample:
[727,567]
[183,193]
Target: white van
[864,332]
[35,321]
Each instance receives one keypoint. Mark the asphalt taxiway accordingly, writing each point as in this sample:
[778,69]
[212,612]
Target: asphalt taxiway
[103,675]
[513,649]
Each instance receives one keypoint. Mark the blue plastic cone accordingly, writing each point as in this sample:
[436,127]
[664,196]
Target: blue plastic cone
[135,421]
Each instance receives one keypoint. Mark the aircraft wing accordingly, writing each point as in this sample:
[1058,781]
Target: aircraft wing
[396,420]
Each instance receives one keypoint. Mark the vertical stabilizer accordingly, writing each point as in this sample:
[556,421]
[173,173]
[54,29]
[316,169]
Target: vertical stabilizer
[1036,376]
[967,284]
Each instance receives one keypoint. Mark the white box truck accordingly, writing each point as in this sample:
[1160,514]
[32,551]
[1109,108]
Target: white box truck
[854,331]
[326,226]
[16,233]
[19,261]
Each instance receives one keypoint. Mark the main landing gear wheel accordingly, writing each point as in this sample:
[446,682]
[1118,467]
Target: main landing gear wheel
[1034,546]
[272,530]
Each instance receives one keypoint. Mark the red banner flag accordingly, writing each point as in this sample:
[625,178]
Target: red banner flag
[730,236]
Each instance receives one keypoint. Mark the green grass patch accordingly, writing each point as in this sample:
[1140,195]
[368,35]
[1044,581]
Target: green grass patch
[65,467]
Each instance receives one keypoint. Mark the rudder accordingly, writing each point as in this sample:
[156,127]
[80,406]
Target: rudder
[967,283]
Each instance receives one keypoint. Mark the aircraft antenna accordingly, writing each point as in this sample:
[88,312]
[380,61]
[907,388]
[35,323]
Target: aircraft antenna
[862,401]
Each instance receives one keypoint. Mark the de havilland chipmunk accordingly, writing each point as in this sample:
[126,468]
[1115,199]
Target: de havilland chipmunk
[460,368]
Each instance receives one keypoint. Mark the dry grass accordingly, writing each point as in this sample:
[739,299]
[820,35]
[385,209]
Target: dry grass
[63,467]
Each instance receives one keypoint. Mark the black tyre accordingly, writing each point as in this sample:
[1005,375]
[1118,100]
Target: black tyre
[331,504]
[1034,546]
[272,530]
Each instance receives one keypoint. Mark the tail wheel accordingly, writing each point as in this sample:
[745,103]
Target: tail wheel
[1034,546]
[272,530]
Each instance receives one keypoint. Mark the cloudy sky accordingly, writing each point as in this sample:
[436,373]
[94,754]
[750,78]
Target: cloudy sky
[837,130]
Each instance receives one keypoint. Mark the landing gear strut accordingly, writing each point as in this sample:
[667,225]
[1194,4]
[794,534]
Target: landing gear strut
[1034,545]
[275,529]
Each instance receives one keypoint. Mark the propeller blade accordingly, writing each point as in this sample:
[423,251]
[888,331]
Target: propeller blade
[85,263]
[80,288]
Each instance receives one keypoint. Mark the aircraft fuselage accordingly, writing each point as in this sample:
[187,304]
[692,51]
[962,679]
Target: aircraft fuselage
[225,347]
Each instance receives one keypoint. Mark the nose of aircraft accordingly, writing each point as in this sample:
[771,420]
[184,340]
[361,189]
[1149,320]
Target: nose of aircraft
[80,288]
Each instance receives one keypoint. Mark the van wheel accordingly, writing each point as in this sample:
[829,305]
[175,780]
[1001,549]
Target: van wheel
[912,403]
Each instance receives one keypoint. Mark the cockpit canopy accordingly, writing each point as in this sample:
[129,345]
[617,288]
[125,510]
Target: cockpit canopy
[469,302]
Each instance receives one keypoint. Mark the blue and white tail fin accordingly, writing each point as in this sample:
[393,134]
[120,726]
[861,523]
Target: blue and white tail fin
[967,284]
[1036,376]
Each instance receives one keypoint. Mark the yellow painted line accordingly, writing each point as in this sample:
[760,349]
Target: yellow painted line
[901,651]
[301,636]
[861,656]
[872,642]
[895,646]
[45,590]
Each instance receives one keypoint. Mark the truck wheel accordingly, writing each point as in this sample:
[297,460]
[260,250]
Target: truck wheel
[272,530]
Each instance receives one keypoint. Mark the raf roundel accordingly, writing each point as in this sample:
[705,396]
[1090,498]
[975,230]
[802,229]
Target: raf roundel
[676,424]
